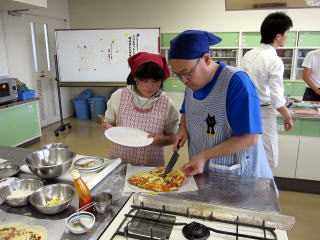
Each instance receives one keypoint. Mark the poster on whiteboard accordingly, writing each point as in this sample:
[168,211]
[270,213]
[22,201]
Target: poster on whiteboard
[101,55]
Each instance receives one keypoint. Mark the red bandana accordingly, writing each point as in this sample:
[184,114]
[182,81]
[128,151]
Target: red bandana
[142,57]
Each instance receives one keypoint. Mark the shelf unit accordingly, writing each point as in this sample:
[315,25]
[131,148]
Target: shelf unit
[250,40]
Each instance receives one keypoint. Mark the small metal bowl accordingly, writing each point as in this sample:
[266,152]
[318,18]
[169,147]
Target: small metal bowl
[86,218]
[50,163]
[102,202]
[3,191]
[3,194]
[55,145]
[23,184]
[40,198]
[8,170]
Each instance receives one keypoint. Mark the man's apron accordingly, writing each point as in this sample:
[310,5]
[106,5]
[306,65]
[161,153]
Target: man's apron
[150,120]
[207,125]
[270,134]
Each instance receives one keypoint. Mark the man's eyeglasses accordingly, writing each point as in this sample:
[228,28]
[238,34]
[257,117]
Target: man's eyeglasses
[188,75]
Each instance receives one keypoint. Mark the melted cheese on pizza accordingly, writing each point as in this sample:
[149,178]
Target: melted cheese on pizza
[155,181]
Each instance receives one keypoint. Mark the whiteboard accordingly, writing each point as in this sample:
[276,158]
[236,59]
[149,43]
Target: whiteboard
[101,55]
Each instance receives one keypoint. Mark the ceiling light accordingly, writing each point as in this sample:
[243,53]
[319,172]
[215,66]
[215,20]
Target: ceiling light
[313,3]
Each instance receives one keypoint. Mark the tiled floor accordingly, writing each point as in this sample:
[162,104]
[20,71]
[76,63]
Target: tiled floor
[87,138]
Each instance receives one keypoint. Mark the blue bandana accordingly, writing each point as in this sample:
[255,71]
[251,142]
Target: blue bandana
[191,44]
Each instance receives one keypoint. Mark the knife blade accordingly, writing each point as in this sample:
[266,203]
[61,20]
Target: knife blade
[172,161]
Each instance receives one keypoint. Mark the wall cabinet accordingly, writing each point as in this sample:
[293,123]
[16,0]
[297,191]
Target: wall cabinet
[299,150]
[298,158]
[309,39]
[20,123]
[308,163]
[288,152]
[252,39]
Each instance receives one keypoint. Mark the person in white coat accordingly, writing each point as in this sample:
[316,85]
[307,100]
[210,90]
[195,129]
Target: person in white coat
[266,69]
[311,75]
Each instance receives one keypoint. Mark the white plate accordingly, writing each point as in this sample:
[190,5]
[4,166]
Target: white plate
[95,164]
[130,137]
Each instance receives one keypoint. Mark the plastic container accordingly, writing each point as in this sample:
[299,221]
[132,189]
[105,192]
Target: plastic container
[86,94]
[97,107]
[82,109]
[22,96]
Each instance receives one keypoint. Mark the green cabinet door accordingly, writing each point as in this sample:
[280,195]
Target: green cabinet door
[310,128]
[229,39]
[250,39]
[19,124]
[297,125]
[298,89]
[309,39]
[292,38]
[166,38]
[288,88]
[173,85]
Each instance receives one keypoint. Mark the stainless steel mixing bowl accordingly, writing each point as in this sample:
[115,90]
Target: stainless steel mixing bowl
[21,185]
[55,145]
[8,169]
[50,163]
[40,198]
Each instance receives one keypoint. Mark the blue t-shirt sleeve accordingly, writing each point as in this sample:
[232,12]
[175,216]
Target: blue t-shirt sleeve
[183,108]
[243,106]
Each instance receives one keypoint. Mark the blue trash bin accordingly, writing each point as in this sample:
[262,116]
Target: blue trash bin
[97,107]
[82,109]
[86,94]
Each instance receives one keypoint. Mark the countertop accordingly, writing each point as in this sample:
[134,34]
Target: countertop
[55,224]
[243,192]
[8,105]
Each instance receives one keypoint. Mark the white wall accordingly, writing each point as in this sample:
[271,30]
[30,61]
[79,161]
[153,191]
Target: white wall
[178,15]
[3,54]
[56,9]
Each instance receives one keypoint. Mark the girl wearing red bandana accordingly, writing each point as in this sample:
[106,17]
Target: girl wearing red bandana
[144,106]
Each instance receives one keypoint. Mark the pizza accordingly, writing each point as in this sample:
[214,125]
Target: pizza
[21,231]
[154,180]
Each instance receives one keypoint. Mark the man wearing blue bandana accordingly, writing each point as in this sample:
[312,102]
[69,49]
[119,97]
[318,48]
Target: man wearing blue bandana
[220,113]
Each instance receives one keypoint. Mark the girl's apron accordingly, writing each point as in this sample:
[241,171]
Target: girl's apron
[150,120]
[207,125]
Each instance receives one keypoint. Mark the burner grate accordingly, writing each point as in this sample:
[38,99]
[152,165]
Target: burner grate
[143,225]
[156,224]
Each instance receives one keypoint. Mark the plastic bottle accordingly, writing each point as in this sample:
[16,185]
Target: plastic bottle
[82,190]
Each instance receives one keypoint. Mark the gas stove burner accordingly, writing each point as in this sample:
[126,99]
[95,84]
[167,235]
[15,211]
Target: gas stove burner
[195,231]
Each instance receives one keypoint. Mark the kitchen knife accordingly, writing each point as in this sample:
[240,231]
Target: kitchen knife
[172,161]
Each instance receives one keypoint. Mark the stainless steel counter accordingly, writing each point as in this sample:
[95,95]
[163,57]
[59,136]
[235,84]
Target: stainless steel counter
[243,192]
[229,190]
[55,224]
[301,116]
[305,116]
